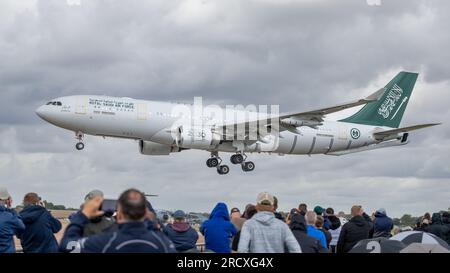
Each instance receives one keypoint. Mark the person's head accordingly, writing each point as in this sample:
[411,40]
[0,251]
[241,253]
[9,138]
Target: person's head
[356,210]
[319,222]
[303,208]
[5,198]
[179,216]
[165,217]
[446,217]
[246,207]
[31,198]
[329,211]
[318,210]
[275,203]
[427,216]
[250,211]
[310,218]
[341,214]
[235,213]
[92,194]
[381,211]
[264,202]
[131,206]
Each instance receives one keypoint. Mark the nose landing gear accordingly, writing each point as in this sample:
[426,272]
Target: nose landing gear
[79,136]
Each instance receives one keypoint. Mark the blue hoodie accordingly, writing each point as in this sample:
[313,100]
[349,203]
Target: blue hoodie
[218,230]
[383,225]
[10,225]
[40,226]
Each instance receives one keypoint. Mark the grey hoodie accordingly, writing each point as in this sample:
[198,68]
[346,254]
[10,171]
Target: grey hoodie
[263,233]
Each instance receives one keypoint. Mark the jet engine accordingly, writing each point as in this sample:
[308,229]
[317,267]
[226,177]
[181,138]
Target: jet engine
[153,148]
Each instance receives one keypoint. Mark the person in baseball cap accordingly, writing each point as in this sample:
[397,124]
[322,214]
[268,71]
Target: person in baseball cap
[263,233]
[181,233]
[10,223]
[5,198]
[265,199]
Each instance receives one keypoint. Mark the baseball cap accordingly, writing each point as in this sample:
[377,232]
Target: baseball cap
[265,198]
[179,214]
[4,194]
[318,210]
[382,211]
[92,194]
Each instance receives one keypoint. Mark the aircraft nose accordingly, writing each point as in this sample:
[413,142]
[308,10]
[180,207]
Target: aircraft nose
[42,112]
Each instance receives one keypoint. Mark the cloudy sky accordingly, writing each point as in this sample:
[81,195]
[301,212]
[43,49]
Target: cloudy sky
[299,54]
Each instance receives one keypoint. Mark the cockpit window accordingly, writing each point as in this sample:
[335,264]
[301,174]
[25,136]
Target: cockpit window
[56,103]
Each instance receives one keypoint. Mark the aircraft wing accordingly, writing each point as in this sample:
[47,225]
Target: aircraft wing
[387,133]
[320,113]
[290,121]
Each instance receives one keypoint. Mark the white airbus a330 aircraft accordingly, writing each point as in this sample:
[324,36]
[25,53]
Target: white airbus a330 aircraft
[161,130]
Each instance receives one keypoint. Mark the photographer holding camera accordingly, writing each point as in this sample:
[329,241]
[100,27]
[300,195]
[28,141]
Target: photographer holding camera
[40,226]
[132,236]
[100,223]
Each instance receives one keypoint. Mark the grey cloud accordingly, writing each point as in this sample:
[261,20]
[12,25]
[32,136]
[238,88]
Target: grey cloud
[300,55]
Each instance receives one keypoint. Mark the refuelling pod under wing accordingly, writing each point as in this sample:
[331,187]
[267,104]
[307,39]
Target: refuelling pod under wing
[153,148]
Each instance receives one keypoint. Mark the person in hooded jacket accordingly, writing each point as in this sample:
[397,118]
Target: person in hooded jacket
[307,243]
[181,233]
[382,224]
[264,233]
[352,232]
[437,227]
[218,230]
[10,223]
[40,227]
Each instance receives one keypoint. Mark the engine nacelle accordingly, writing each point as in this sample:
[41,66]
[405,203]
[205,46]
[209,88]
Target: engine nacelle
[198,138]
[153,148]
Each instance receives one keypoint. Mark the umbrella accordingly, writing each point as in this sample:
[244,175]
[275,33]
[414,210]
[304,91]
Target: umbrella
[424,248]
[378,245]
[409,237]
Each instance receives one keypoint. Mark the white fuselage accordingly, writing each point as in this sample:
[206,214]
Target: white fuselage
[150,120]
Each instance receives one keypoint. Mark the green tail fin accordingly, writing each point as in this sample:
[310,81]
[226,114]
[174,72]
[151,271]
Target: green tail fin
[388,110]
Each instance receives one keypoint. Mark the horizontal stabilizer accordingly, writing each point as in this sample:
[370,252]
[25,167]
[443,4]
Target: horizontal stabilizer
[388,133]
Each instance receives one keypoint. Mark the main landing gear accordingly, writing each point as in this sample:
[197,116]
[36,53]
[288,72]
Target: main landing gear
[80,145]
[215,161]
[240,158]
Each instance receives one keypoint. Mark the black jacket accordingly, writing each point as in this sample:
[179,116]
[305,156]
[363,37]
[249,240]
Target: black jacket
[307,243]
[437,227]
[355,230]
[335,223]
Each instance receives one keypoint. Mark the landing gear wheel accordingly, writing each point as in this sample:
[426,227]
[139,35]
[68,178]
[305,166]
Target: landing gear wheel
[223,169]
[237,159]
[212,162]
[79,146]
[248,166]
